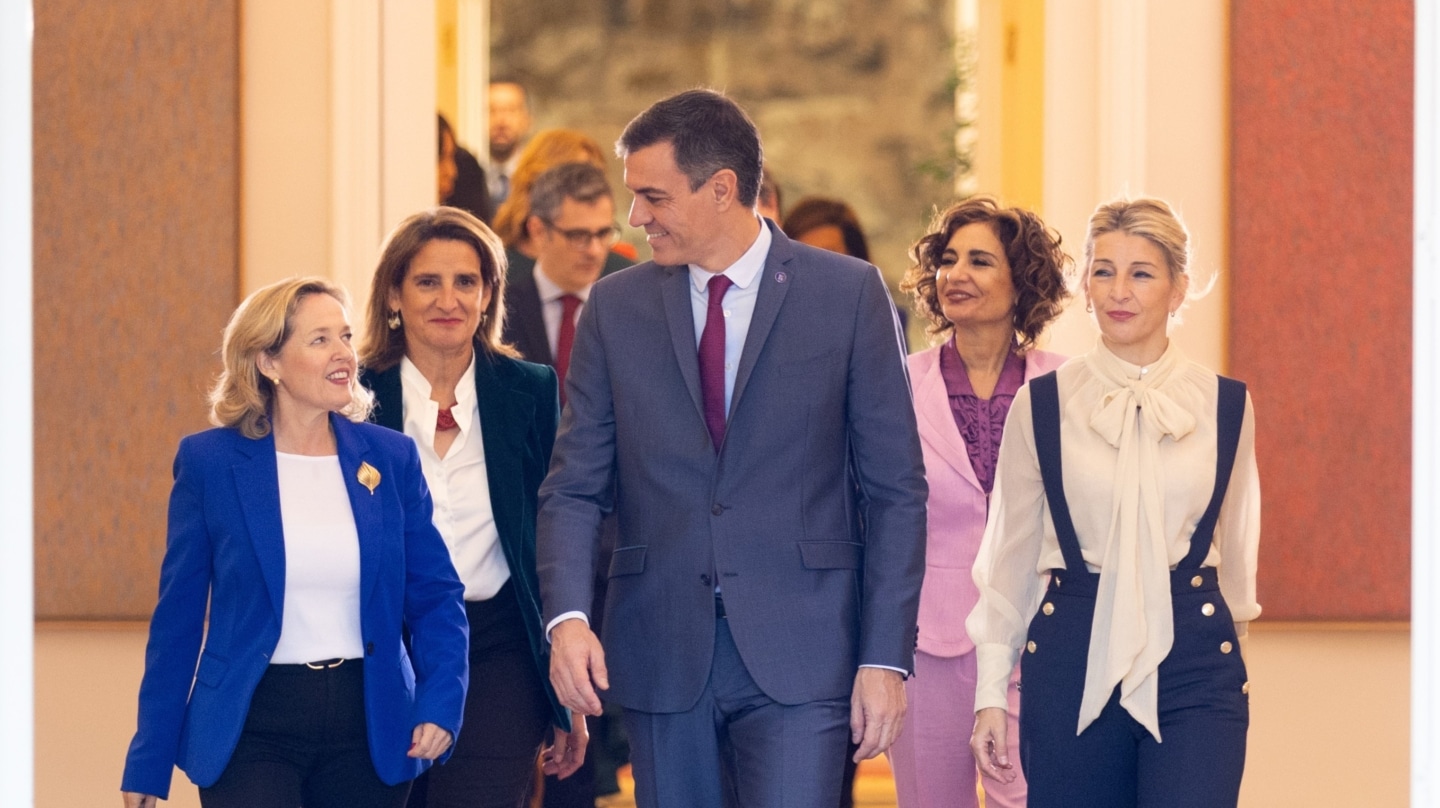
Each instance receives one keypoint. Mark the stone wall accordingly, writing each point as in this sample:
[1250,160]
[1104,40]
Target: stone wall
[854,98]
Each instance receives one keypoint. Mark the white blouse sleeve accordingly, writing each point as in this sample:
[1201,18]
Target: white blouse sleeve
[1237,532]
[1005,568]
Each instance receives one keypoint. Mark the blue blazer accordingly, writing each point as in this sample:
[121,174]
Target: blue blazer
[225,547]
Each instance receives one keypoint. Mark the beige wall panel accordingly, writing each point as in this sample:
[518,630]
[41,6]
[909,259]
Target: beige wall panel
[135,273]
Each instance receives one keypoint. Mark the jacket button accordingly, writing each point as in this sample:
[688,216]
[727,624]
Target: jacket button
[1208,610]
[1048,608]
[369,649]
[705,579]
[717,509]
[1030,646]
[1196,581]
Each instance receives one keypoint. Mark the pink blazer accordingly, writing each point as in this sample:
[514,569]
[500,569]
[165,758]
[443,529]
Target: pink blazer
[956,507]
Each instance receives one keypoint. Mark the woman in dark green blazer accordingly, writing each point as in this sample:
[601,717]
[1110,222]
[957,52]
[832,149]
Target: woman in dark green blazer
[484,422]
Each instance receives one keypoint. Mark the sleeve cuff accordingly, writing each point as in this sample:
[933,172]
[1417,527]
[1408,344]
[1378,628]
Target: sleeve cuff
[904,674]
[549,627]
[993,664]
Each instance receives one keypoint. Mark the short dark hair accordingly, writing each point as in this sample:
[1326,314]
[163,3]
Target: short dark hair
[582,182]
[709,132]
[817,211]
[1038,266]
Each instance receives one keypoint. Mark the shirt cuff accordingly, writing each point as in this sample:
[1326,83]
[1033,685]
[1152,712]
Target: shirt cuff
[549,627]
[904,674]
[993,664]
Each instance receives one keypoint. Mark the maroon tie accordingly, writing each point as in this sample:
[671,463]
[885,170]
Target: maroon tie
[712,360]
[566,341]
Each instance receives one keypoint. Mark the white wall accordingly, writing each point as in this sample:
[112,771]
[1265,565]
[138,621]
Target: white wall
[17,488]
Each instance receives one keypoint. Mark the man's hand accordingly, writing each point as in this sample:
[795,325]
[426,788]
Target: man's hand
[565,754]
[576,659]
[877,710]
[987,744]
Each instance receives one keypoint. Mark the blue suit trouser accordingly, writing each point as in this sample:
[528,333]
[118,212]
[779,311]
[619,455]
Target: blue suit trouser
[1115,762]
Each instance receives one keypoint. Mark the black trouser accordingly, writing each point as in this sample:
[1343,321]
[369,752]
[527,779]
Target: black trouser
[506,716]
[304,743]
[1203,705]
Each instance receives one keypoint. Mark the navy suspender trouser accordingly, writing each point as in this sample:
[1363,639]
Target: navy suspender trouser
[1203,703]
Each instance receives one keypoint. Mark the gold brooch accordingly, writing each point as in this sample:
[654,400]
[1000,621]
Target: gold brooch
[368,477]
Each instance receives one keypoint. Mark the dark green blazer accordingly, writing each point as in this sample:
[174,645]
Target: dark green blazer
[519,408]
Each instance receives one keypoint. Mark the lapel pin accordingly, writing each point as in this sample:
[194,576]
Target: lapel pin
[368,477]
[781,277]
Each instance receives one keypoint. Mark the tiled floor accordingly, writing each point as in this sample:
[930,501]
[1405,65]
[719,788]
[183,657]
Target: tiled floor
[873,788]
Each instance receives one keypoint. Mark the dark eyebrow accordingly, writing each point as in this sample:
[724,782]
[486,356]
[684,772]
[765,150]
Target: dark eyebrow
[986,253]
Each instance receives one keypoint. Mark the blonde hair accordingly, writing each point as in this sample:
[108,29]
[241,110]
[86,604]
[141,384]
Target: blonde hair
[384,347]
[545,150]
[242,398]
[1155,221]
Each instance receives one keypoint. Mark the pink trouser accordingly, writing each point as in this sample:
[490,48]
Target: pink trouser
[931,758]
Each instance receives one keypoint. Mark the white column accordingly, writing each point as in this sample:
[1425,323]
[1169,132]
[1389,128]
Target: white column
[1121,95]
[472,35]
[382,130]
[17,561]
[1425,454]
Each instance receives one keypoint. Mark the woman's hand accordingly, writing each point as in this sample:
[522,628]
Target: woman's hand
[133,800]
[564,756]
[428,741]
[987,744]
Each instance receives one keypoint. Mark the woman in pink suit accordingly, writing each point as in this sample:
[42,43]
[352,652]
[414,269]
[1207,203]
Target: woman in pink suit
[990,279]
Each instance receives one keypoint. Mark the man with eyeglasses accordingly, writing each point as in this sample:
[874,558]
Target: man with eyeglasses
[572,225]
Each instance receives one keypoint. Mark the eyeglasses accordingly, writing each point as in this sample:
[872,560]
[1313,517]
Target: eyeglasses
[580,238]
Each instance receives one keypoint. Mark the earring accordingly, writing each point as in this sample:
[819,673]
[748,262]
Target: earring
[275,380]
[1089,307]
[393,320]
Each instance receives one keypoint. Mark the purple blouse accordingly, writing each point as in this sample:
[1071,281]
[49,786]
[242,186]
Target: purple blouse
[980,421]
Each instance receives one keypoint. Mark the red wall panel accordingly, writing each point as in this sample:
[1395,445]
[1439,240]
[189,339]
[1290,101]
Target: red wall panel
[1321,197]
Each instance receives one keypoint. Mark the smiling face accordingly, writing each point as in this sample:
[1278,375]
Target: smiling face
[973,280]
[681,225]
[1133,292]
[441,298]
[316,364]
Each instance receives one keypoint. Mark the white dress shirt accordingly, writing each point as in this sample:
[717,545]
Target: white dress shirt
[739,304]
[552,309]
[1139,471]
[458,482]
[321,616]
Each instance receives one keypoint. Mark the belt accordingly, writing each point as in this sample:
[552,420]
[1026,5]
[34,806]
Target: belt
[322,665]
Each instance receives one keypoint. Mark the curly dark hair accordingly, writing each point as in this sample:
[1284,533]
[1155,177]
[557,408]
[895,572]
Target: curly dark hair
[1038,267]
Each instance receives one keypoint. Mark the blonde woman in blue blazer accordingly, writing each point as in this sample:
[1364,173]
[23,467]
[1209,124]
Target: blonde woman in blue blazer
[308,536]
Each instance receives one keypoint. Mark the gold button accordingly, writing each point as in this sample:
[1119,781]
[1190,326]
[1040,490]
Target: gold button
[1196,581]
[1208,609]
[1245,688]
[1048,608]
[1030,646]
[1226,647]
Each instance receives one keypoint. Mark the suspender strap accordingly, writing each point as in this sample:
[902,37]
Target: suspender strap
[1231,415]
[1045,414]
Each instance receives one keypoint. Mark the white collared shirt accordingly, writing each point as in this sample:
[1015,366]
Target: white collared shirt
[552,309]
[458,482]
[739,304]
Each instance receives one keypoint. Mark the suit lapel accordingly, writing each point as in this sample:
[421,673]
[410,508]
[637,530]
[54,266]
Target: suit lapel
[258,483]
[681,317]
[353,450]
[389,409]
[774,284]
[529,321]
[933,409]
[505,414]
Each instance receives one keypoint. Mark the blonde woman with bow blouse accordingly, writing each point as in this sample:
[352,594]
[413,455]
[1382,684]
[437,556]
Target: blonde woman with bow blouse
[1129,476]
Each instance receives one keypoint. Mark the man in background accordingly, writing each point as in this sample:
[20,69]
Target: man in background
[509,125]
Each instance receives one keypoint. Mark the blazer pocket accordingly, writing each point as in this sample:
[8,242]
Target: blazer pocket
[627,561]
[831,555]
[212,670]
[809,364]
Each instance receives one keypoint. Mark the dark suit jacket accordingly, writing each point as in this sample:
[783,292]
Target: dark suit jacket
[519,406]
[225,546]
[820,430]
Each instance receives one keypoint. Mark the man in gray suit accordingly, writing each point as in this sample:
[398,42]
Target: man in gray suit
[748,394]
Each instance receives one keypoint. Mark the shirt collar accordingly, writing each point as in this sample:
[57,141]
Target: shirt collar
[745,269]
[549,291]
[415,388]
